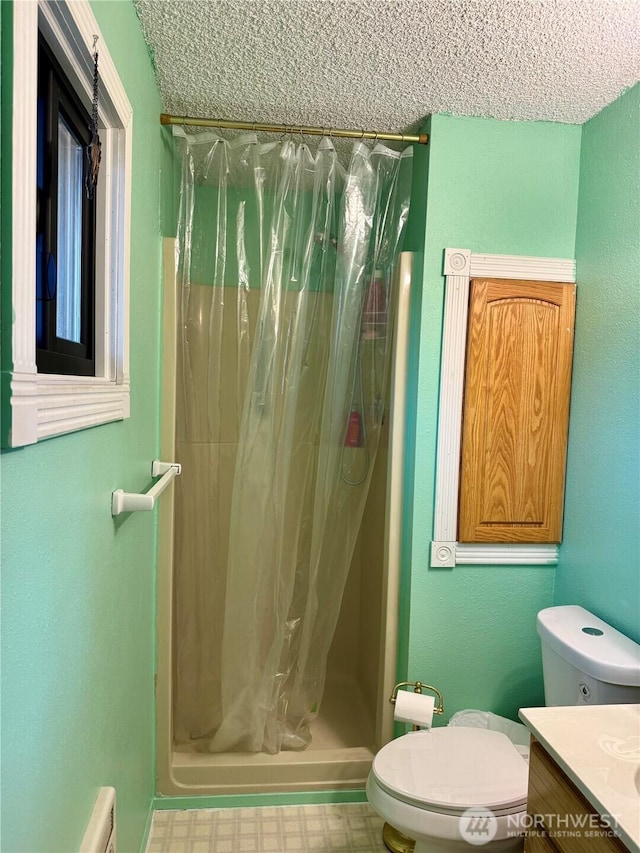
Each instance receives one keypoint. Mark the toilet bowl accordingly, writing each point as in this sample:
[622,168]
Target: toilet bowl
[454,787]
[450,788]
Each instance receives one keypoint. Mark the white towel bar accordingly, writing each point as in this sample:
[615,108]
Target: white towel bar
[133,501]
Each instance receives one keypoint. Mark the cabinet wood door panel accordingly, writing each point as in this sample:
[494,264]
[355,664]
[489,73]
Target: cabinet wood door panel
[516,411]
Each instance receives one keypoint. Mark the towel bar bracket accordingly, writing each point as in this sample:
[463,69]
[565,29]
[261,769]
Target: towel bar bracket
[159,468]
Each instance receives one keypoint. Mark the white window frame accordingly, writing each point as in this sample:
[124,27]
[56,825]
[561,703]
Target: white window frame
[45,405]
[460,266]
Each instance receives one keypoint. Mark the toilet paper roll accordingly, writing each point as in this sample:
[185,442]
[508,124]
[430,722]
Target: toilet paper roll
[416,708]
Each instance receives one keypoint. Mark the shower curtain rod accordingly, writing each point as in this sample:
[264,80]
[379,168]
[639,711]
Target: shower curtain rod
[421,138]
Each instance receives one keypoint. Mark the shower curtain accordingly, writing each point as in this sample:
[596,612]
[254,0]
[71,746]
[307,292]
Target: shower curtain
[285,263]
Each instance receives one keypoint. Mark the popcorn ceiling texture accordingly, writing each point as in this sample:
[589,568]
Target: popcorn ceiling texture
[386,64]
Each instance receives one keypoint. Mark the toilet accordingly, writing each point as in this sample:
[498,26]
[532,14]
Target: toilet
[453,788]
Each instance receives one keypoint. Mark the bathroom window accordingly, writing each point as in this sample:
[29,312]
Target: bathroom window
[65,365]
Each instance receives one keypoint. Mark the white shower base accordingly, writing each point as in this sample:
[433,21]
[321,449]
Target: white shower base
[339,756]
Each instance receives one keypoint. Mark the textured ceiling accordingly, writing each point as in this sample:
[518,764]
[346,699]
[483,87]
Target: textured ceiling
[385,64]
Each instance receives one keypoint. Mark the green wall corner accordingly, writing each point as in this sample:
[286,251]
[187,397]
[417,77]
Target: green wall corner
[599,565]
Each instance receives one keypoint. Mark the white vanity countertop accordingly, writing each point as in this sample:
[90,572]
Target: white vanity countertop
[598,747]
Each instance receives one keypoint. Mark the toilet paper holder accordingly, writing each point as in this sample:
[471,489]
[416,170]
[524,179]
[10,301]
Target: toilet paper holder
[418,687]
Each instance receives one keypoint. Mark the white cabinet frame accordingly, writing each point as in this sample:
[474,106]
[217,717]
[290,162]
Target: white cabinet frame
[460,266]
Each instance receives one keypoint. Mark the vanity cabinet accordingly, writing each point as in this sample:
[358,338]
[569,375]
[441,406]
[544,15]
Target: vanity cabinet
[539,844]
[516,411]
[560,818]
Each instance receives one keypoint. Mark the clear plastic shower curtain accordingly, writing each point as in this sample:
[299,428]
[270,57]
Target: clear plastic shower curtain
[285,264]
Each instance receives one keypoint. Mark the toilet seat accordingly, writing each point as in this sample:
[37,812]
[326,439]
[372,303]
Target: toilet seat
[449,770]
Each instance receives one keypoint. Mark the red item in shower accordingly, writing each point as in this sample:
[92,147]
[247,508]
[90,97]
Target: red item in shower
[352,437]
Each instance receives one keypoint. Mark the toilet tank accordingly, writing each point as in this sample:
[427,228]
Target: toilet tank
[585,661]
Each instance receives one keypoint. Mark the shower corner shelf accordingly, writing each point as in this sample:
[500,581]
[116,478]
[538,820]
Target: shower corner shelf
[122,501]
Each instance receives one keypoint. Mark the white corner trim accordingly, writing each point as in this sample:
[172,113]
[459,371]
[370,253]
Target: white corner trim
[460,265]
[457,262]
[443,555]
[446,555]
[44,405]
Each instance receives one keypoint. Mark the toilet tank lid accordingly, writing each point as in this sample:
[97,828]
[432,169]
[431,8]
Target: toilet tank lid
[590,645]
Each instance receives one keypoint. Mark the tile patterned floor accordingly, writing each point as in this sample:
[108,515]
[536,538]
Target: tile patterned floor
[347,828]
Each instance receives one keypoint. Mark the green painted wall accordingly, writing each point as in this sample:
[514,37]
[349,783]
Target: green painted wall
[78,587]
[600,557]
[505,188]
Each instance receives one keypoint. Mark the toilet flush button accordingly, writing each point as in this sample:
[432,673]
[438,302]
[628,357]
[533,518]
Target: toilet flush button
[593,632]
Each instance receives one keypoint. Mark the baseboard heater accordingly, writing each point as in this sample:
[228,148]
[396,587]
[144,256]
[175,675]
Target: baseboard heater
[100,836]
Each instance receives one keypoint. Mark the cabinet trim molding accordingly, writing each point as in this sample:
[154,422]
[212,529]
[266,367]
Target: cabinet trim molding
[460,266]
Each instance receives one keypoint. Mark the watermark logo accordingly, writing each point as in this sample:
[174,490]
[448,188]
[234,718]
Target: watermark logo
[478,826]
[581,825]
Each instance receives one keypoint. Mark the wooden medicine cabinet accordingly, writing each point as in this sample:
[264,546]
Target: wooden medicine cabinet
[515,415]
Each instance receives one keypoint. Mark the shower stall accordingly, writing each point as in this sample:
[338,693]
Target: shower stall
[285,346]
